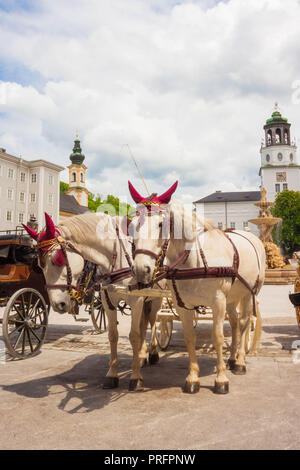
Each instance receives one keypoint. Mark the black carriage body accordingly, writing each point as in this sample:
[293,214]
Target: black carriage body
[19,267]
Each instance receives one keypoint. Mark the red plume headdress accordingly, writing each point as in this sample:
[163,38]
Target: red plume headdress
[152,200]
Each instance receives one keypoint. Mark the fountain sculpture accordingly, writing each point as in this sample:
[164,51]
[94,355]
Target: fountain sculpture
[277,271]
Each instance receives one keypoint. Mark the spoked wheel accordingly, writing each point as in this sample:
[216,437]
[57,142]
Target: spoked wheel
[98,313]
[163,332]
[25,323]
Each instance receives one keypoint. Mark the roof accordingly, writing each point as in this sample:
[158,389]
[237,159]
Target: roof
[236,196]
[68,203]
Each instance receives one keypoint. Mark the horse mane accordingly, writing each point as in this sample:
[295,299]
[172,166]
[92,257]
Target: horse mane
[83,227]
[188,222]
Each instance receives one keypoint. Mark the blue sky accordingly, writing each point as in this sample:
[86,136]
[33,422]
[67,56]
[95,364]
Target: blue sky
[187,85]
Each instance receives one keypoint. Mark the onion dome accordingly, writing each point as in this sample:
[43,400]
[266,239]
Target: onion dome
[77,156]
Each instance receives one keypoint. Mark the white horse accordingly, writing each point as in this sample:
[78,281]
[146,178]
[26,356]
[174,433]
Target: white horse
[93,237]
[188,232]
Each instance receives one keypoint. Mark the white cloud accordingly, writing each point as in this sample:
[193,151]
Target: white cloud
[188,85]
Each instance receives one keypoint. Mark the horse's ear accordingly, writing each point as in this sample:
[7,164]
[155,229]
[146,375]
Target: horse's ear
[166,197]
[31,232]
[134,194]
[50,227]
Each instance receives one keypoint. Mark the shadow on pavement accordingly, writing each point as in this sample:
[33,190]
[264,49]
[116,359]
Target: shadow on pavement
[79,389]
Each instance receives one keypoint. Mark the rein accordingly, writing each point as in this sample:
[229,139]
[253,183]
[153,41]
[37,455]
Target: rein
[174,274]
[78,292]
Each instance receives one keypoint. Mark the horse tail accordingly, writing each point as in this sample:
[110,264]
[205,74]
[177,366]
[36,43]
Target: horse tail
[258,329]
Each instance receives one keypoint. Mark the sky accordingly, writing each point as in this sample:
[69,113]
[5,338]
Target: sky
[183,86]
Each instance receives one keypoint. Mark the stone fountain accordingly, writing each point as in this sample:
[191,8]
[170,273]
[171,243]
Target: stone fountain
[277,271]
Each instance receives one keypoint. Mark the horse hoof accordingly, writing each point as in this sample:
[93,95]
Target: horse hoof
[191,387]
[143,362]
[221,388]
[110,382]
[135,385]
[230,364]
[239,370]
[153,359]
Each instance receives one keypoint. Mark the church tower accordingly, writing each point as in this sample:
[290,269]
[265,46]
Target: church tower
[279,166]
[77,171]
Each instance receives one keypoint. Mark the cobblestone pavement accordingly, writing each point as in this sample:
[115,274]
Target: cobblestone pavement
[56,401]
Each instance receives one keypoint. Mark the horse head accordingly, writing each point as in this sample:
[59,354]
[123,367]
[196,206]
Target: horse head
[61,265]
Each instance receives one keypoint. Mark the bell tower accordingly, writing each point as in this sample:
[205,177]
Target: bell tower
[279,169]
[77,173]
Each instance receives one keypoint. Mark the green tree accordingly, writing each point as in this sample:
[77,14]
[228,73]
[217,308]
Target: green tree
[94,202]
[113,206]
[63,187]
[287,207]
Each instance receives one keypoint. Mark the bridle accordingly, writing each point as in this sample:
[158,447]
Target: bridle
[78,292]
[173,273]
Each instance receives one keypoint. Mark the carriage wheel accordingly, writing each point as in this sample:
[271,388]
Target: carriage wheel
[163,332]
[25,323]
[98,313]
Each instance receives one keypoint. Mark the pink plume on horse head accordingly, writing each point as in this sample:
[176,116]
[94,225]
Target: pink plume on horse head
[162,199]
[134,194]
[166,197]
[33,234]
[50,227]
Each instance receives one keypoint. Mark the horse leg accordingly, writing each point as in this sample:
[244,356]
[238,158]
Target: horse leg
[245,314]
[219,308]
[136,379]
[143,332]
[232,313]
[112,380]
[153,351]
[192,382]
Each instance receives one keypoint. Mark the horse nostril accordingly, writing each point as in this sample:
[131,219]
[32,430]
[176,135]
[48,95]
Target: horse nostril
[62,305]
[147,268]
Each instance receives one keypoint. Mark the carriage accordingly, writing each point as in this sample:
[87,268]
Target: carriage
[24,299]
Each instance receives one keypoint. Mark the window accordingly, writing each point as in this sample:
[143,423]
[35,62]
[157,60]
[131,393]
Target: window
[33,178]
[8,216]
[73,177]
[291,157]
[268,158]
[22,197]
[10,194]
[232,225]
[279,156]
[32,197]
[220,225]
[245,224]
[21,217]
[284,186]
[277,188]
[81,178]
[22,177]
[10,173]
[50,199]
[50,179]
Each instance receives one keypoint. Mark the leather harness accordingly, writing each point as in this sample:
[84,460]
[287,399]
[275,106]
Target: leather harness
[161,271]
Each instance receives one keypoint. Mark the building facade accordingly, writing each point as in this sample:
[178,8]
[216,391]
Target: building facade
[27,188]
[230,209]
[279,169]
